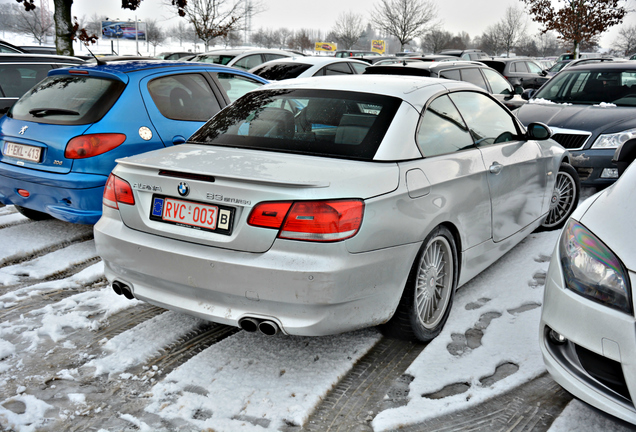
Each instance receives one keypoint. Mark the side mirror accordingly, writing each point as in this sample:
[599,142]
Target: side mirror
[544,72]
[527,94]
[518,89]
[624,155]
[538,131]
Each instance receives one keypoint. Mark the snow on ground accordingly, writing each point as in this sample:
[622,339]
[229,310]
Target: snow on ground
[248,381]
[580,417]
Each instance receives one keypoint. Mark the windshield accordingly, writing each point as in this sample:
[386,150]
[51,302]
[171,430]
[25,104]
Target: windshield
[281,71]
[591,87]
[68,100]
[319,122]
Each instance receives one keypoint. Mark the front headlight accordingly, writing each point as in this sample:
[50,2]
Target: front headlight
[592,270]
[614,140]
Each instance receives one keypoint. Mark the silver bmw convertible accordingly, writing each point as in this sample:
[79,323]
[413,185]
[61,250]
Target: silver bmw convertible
[323,205]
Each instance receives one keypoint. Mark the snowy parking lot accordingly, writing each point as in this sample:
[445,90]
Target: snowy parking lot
[75,356]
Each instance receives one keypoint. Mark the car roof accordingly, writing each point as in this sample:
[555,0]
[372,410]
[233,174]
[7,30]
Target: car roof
[424,65]
[413,89]
[606,65]
[120,68]
[11,46]
[239,51]
[316,60]
[507,59]
[39,58]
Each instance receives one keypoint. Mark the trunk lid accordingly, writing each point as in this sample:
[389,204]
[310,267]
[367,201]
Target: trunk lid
[236,180]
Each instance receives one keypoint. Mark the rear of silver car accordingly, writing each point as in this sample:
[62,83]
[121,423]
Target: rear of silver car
[247,276]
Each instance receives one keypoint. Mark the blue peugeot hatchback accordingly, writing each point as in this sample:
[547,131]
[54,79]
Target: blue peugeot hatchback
[60,141]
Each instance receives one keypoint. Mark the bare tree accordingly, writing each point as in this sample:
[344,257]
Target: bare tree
[181,32]
[578,21]
[625,43]
[301,41]
[512,28]
[490,40]
[436,40]
[348,29]
[404,19]
[39,25]
[154,35]
[547,44]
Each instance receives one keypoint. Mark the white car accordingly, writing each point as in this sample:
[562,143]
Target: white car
[301,67]
[241,58]
[588,328]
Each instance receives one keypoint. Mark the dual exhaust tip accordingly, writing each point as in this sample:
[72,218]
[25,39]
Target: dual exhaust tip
[121,288]
[251,325]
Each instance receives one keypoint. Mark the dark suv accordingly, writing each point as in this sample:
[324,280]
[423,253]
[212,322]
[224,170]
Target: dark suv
[473,72]
[518,70]
[20,72]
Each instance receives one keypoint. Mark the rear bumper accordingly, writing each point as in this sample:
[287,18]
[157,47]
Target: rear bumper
[75,198]
[306,288]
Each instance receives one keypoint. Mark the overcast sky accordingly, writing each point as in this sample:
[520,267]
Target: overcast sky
[471,16]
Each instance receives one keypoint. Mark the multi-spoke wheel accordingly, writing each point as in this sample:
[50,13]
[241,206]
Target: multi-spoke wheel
[428,295]
[564,199]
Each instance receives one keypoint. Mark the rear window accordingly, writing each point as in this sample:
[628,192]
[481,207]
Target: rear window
[281,71]
[221,59]
[68,100]
[329,123]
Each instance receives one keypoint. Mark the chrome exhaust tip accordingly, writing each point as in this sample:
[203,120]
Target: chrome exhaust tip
[117,287]
[248,324]
[268,328]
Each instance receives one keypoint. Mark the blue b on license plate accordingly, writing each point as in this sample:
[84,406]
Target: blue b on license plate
[192,214]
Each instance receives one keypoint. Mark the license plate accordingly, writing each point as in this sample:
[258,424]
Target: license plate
[21,151]
[192,214]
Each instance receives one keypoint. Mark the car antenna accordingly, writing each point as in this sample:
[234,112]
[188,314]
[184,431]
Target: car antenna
[99,62]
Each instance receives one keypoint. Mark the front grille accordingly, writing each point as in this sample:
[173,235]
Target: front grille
[571,141]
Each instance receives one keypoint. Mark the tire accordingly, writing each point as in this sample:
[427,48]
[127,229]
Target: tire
[565,198]
[428,295]
[33,214]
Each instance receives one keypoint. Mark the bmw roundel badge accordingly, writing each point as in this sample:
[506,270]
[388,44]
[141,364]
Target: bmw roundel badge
[183,189]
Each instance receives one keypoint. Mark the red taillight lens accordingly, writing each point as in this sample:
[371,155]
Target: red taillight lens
[117,191]
[269,214]
[85,146]
[311,220]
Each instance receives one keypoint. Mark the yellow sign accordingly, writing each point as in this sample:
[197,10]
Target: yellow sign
[325,46]
[378,46]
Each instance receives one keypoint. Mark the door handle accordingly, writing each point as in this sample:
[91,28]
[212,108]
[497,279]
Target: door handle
[495,168]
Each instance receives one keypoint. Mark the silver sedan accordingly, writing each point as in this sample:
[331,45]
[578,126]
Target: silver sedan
[588,329]
[322,205]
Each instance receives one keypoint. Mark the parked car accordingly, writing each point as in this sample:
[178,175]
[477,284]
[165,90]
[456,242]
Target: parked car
[570,56]
[241,58]
[587,334]
[467,54]
[6,47]
[20,72]
[61,139]
[473,72]
[591,109]
[519,71]
[556,68]
[355,53]
[175,55]
[300,67]
[315,206]
[40,49]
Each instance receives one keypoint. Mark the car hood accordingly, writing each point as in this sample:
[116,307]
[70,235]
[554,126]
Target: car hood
[593,118]
[611,216]
[240,179]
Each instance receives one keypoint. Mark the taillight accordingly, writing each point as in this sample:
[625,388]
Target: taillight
[321,221]
[85,146]
[116,191]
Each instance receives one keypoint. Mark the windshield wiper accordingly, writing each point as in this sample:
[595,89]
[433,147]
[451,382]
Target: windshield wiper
[41,112]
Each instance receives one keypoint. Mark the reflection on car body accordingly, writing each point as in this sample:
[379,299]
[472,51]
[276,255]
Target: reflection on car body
[313,206]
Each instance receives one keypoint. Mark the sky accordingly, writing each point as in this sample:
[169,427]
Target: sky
[273,380]
[455,16]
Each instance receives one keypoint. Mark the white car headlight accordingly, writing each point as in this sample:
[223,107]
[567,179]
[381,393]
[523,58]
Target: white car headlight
[592,270]
[614,140]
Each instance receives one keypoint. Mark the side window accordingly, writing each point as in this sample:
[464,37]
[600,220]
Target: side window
[472,75]
[488,122]
[236,86]
[358,68]
[249,62]
[498,84]
[16,79]
[270,56]
[442,130]
[452,74]
[520,67]
[336,69]
[533,67]
[184,97]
